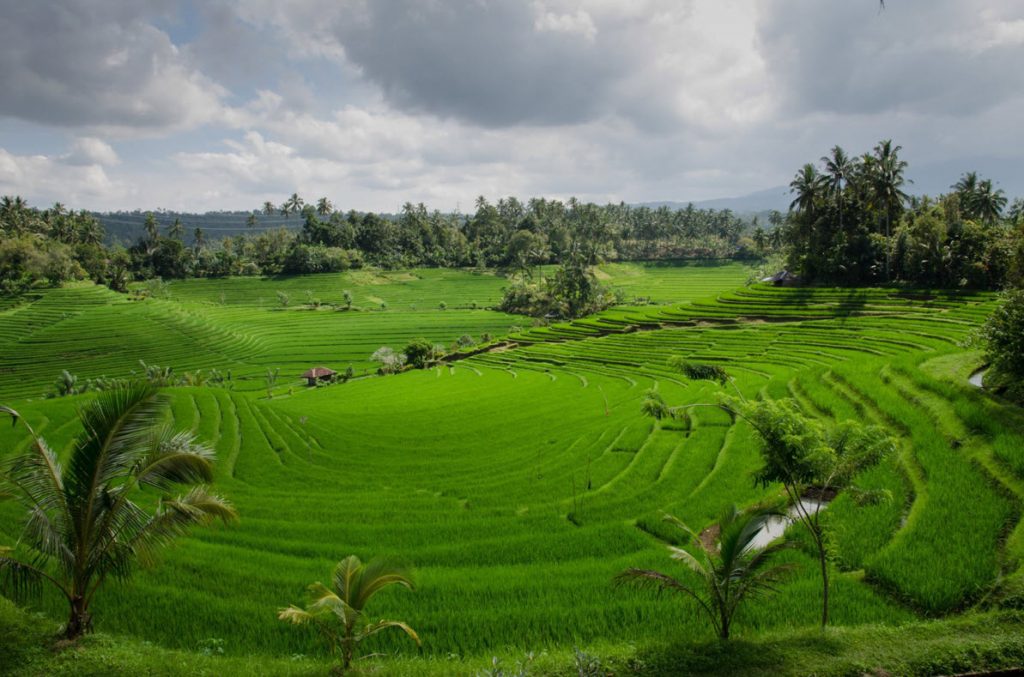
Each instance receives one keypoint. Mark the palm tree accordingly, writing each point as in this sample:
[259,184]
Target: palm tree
[251,220]
[732,570]
[82,525]
[808,185]
[292,205]
[176,230]
[888,187]
[838,169]
[269,209]
[324,207]
[337,611]
[990,203]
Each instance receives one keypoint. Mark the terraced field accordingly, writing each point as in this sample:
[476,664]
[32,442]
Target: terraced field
[520,482]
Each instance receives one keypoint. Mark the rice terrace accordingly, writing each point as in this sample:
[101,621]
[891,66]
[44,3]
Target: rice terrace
[779,434]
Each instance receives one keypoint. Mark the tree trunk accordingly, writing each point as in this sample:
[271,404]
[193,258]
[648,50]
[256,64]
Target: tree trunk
[79,622]
[824,584]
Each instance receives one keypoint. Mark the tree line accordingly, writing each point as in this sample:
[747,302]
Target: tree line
[852,222]
[53,245]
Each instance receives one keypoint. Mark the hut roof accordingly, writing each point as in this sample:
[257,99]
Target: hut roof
[318,372]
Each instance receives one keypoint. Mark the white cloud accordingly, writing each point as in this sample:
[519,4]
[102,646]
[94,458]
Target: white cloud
[43,180]
[99,64]
[89,150]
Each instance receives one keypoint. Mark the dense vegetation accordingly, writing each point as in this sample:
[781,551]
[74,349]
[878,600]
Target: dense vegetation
[54,245]
[852,222]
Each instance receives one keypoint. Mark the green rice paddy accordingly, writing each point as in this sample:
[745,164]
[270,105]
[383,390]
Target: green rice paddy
[519,482]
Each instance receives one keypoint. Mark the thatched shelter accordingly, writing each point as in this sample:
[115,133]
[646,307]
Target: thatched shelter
[318,374]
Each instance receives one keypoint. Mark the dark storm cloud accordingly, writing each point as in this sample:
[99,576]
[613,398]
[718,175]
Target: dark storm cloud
[96,63]
[484,62]
[935,57]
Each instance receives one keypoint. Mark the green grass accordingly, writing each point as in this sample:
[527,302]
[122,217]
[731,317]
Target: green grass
[518,483]
[976,642]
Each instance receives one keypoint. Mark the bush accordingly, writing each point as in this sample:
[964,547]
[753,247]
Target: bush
[420,353]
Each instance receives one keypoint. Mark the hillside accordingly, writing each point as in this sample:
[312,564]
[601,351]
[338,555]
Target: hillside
[525,479]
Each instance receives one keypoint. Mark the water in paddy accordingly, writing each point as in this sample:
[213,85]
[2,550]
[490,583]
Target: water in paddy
[776,525]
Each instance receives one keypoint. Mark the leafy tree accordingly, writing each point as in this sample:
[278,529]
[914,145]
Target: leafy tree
[730,572]
[654,405]
[802,454]
[419,352]
[337,612]
[347,295]
[83,525]
[390,362]
[1003,335]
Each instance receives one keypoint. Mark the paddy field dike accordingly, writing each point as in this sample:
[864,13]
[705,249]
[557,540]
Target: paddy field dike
[520,480]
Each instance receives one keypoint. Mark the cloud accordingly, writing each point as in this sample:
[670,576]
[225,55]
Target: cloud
[91,151]
[43,180]
[940,57]
[99,64]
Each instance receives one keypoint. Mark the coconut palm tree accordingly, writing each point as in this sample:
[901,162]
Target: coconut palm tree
[338,612]
[888,185]
[808,186]
[838,169]
[82,524]
[730,571]
[324,207]
[989,203]
[269,209]
[293,205]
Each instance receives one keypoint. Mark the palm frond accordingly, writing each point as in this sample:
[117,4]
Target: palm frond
[173,517]
[681,555]
[346,577]
[115,428]
[174,458]
[21,580]
[374,628]
[377,575]
[36,477]
[294,614]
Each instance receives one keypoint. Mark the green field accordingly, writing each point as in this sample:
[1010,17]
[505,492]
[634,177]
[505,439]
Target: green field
[519,482]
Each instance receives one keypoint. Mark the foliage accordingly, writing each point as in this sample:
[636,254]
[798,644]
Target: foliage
[699,372]
[338,611]
[853,223]
[1003,335]
[800,453]
[390,362]
[573,292]
[731,571]
[420,353]
[82,525]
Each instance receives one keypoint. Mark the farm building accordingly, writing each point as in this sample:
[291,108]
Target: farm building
[318,374]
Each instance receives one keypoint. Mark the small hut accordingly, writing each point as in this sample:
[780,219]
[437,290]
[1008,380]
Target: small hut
[783,278]
[318,374]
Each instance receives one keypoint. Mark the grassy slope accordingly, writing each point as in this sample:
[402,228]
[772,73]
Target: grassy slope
[975,642]
[418,465]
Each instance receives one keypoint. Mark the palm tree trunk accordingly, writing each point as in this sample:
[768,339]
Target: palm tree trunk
[80,621]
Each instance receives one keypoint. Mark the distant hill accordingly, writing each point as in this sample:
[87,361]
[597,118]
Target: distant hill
[127,227]
[752,204]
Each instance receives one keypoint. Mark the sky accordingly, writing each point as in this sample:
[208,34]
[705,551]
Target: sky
[216,104]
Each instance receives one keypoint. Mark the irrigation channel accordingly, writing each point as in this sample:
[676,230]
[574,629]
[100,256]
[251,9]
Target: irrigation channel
[776,525]
[977,379]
